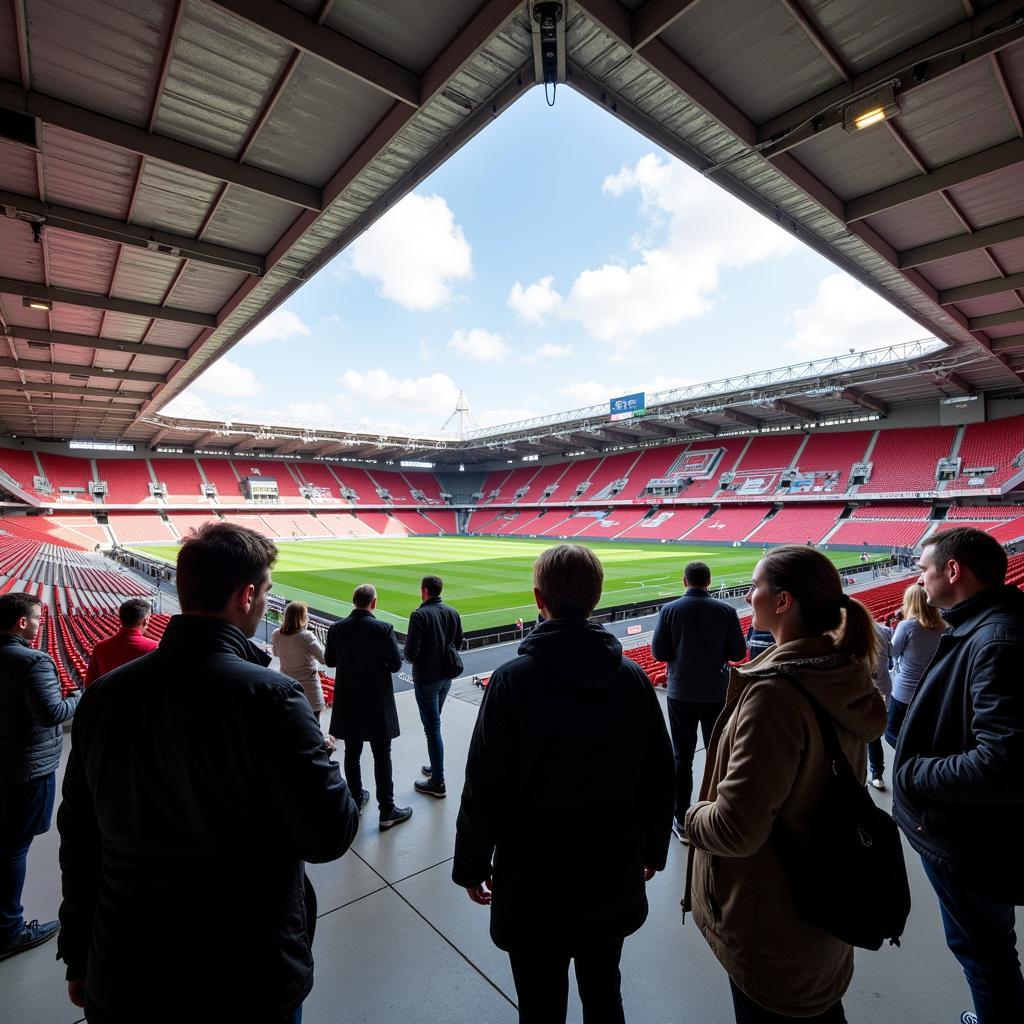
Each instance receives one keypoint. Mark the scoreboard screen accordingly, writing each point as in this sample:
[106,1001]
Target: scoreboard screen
[260,488]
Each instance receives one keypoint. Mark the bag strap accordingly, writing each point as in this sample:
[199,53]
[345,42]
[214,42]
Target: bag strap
[837,759]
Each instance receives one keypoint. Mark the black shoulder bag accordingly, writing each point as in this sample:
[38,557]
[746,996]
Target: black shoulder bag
[847,871]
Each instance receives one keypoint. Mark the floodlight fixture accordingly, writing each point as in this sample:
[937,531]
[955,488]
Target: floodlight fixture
[32,303]
[874,108]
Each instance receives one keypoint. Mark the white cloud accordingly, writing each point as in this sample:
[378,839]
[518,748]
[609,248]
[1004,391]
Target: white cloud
[414,253]
[536,302]
[552,351]
[313,414]
[846,315]
[705,232]
[496,417]
[281,325]
[479,345]
[663,382]
[229,380]
[587,392]
[424,352]
[385,396]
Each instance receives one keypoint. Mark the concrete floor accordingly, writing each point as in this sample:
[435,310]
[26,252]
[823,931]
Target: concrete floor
[398,942]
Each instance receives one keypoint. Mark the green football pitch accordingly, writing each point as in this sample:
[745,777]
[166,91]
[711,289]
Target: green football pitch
[487,579]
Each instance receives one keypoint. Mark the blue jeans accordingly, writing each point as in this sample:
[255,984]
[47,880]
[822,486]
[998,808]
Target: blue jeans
[430,699]
[897,712]
[25,812]
[979,933]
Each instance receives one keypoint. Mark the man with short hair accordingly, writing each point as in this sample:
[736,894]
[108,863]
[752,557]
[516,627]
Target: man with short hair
[365,652]
[129,643]
[32,713]
[567,807]
[697,635]
[958,775]
[197,786]
[432,646]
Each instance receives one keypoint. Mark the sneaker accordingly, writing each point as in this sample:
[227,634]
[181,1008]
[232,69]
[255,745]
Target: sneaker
[430,788]
[679,831]
[395,817]
[425,768]
[878,782]
[32,935]
[968,1017]
[364,799]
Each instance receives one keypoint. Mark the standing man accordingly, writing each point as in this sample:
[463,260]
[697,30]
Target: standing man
[567,804]
[129,643]
[365,652]
[197,786]
[697,635]
[958,776]
[31,715]
[432,646]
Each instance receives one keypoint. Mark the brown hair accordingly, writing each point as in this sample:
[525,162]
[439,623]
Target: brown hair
[218,559]
[569,578]
[697,574]
[813,581]
[296,616]
[974,549]
[363,595]
[433,585]
[916,606]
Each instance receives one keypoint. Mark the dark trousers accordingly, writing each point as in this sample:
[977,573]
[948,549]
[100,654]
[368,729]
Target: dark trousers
[876,757]
[25,812]
[382,775]
[430,700]
[979,933]
[683,718]
[897,712]
[542,985]
[749,1012]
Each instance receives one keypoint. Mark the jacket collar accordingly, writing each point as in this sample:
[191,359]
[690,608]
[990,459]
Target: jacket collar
[132,631]
[7,638]
[696,592]
[361,613]
[431,600]
[200,634]
[968,614]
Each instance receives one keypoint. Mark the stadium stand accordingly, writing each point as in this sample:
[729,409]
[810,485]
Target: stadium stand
[882,511]
[139,529]
[127,481]
[610,525]
[81,527]
[976,512]
[885,533]
[415,522]
[547,476]
[666,523]
[797,524]
[906,459]
[355,480]
[826,459]
[760,468]
[998,444]
[701,456]
[185,521]
[254,522]
[426,484]
[653,464]
[182,479]
[220,473]
[68,472]
[345,524]
[22,467]
[729,523]
[318,476]
[446,522]
[511,484]
[267,468]
[384,523]
[610,479]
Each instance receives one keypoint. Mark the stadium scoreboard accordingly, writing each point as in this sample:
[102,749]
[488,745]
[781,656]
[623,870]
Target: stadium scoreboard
[627,406]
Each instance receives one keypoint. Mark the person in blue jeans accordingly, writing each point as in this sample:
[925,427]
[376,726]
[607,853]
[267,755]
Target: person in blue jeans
[958,777]
[432,648]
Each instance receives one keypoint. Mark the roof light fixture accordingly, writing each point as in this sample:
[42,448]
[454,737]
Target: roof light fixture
[872,109]
[32,303]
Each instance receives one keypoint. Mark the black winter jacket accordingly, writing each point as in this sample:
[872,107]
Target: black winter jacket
[569,790]
[31,713]
[365,652]
[197,785]
[959,768]
[433,627]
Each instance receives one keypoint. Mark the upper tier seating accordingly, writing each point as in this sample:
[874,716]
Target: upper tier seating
[427,483]
[547,476]
[996,443]
[127,481]
[181,478]
[219,473]
[67,471]
[509,483]
[575,474]
[316,474]
[356,479]
[834,452]
[760,469]
[905,459]
[797,524]
[21,466]
[732,447]
[653,464]
[729,524]
[395,484]
[277,471]
[612,469]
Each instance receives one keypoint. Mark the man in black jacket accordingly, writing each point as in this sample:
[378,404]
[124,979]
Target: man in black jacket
[365,652]
[31,714]
[432,646]
[198,784]
[698,636]
[959,769]
[567,805]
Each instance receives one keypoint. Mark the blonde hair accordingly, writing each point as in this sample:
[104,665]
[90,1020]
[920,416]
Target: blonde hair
[296,616]
[916,606]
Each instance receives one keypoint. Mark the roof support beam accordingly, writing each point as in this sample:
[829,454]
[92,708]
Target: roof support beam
[97,408]
[969,40]
[956,245]
[701,426]
[661,428]
[344,54]
[290,446]
[30,365]
[857,397]
[92,300]
[955,381]
[159,436]
[85,341]
[82,222]
[955,173]
[654,17]
[1014,343]
[125,136]
[792,409]
[1012,316]
[204,439]
[68,389]
[742,418]
[993,286]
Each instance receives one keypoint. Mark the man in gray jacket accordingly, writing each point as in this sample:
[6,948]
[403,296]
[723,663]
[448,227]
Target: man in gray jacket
[31,713]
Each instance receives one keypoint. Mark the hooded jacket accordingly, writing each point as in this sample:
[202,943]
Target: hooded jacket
[766,764]
[569,792]
[196,787]
[959,769]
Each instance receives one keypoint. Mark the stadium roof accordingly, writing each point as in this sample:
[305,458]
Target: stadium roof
[173,171]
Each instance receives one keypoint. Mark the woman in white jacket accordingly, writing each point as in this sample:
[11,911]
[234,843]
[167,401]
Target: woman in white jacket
[300,652]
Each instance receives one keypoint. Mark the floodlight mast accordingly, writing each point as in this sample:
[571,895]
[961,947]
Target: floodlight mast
[464,419]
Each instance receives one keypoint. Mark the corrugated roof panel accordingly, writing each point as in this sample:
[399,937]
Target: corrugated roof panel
[173,198]
[1011,60]
[204,288]
[957,115]
[144,364]
[87,175]
[924,220]
[989,304]
[123,327]
[75,320]
[102,56]
[755,54]
[249,221]
[221,73]
[20,257]
[956,270]
[1005,330]
[78,261]
[854,165]
[176,335]
[143,275]
[411,35]
[994,198]
[1010,255]
[319,120]
[10,63]
[18,169]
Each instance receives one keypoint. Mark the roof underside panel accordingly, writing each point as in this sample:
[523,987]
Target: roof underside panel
[86,174]
[173,198]
[17,169]
[77,261]
[250,221]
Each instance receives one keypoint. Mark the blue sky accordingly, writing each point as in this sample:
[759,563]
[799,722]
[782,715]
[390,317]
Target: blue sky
[557,260]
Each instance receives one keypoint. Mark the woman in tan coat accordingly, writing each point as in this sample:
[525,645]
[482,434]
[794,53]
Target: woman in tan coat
[766,769]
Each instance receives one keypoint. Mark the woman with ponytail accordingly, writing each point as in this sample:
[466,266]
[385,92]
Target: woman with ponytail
[766,769]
